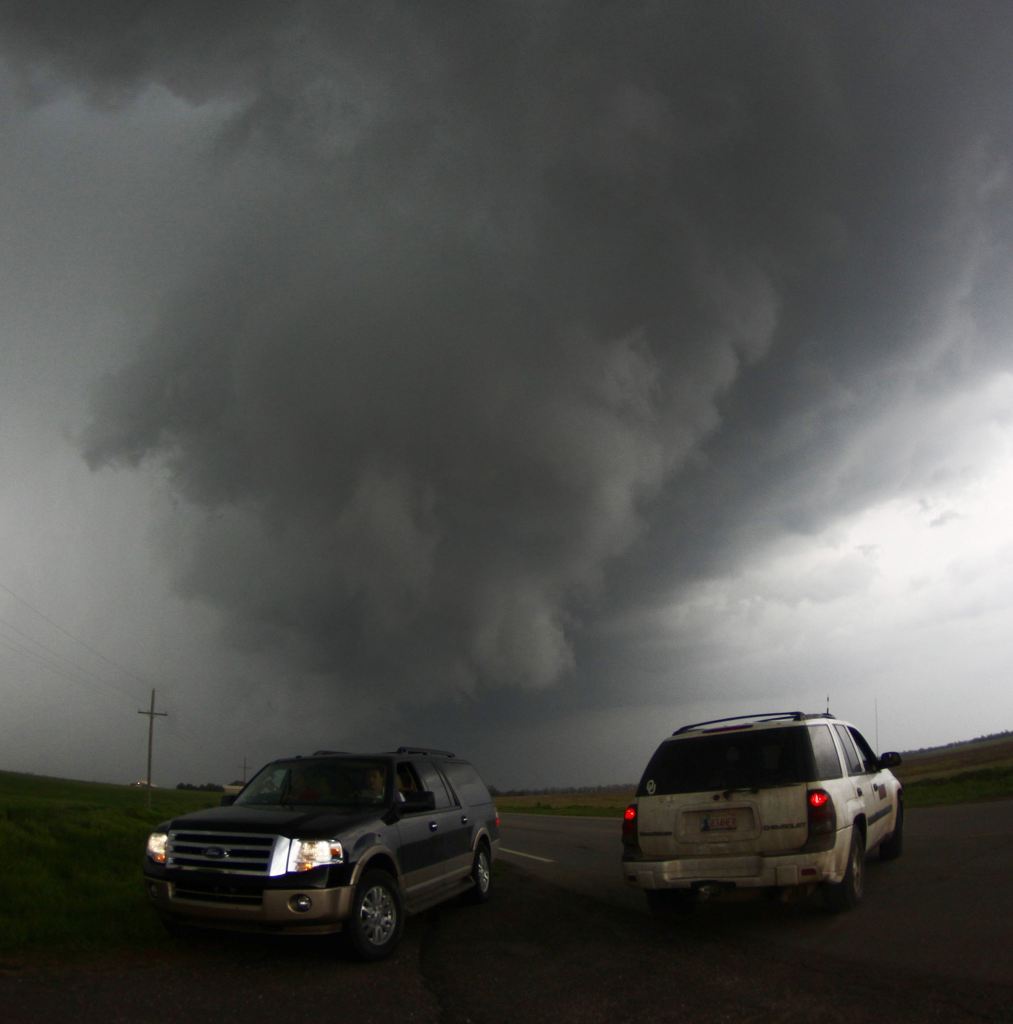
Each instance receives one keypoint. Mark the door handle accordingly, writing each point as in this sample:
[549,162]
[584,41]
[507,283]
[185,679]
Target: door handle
[464,819]
[433,826]
[859,788]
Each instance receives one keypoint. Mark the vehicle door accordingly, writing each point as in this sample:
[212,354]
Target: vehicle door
[417,840]
[866,799]
[469,795]
[883,805]
[422,832]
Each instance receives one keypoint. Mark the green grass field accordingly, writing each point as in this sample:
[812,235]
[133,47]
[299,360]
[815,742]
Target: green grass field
[609,803]
[70,862]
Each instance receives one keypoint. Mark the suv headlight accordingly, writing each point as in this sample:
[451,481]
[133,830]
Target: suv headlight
[306,854]
[157,842]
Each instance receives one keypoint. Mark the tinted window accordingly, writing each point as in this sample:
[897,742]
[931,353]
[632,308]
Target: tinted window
[431,781]
[851,758]
[871,761]
[826,761]
[406,778]
[466,783]
[331,781]
[736,760]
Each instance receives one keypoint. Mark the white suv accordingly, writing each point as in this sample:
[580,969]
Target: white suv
[782,801]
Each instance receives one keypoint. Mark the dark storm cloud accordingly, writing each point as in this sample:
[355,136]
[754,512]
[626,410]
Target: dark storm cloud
[522,311]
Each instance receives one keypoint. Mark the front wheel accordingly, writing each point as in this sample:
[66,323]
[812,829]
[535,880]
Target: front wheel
[481,875]
[847,894]
[377,916]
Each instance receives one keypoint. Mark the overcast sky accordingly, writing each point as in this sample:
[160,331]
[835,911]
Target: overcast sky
[527,379]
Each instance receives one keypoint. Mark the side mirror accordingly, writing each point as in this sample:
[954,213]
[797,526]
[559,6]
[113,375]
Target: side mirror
[889,760]
[416,803]
[228,800]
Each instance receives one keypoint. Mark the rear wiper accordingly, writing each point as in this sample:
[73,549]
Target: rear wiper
[740,789]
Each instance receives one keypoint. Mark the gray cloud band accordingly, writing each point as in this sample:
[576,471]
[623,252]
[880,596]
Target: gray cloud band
[516,321]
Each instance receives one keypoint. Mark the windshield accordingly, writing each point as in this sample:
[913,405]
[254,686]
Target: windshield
[324,781]
[727,760]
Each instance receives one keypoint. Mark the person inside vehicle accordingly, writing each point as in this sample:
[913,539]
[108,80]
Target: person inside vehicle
[374,784]
[311,785]
[406,783]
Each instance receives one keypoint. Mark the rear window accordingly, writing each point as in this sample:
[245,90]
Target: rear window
[828,764]
[466,782]
[731,760]
[433,781]
[854,762]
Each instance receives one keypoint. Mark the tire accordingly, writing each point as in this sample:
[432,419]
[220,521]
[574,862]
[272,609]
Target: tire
[892,847]
[481,875]
[847,894]
[670,902]
[377,917]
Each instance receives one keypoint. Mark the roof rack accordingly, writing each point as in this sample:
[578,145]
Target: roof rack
[424,750]
[766,716]
[320,753]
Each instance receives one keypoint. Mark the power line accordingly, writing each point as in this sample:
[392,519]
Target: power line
[45,657]
[66,632]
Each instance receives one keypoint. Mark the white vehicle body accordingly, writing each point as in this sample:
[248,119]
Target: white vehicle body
[773,801]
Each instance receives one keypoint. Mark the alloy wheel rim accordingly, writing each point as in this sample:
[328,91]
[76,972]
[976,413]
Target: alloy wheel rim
[857,869]
[482,871]
[378,915]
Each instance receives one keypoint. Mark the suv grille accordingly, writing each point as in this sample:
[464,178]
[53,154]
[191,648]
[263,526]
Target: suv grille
[236,853]
[212,892]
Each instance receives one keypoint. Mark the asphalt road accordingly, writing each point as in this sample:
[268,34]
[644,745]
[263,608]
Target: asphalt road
[536,953]
[931,945]
[945,906]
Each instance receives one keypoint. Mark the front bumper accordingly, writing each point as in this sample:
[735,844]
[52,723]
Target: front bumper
[276,910]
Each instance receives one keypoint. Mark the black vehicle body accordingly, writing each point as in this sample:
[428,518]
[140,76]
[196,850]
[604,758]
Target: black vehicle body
[274,858]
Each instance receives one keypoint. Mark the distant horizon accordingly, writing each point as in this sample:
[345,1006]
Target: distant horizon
[503,791]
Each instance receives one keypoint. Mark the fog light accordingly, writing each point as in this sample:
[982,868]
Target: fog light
[300,904]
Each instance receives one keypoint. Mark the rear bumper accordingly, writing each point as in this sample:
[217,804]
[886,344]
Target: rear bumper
[276,911]
[747,872]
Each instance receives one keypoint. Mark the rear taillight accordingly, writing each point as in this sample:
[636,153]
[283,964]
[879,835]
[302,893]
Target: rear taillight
[630,837]
[822,820]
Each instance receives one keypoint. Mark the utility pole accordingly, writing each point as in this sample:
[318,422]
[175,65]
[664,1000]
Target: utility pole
[152,715]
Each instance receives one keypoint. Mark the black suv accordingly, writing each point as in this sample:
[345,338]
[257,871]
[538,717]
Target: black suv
[330,842]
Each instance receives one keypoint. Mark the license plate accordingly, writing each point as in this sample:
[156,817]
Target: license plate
[719,823]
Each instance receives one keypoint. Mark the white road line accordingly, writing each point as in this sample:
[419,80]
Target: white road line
[530,856]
